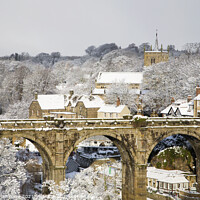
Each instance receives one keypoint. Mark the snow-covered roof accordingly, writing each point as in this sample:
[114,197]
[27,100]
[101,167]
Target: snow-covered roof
[91,101]
[181,107]
[51,101]
[167,176]
[185,110]
[117,77]
[166,110]
[179,102]
[110,108]
[98,91]
[71,99]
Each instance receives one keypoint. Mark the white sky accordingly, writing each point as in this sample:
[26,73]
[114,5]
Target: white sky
[70,26]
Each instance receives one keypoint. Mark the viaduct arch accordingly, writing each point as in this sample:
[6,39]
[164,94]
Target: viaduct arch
[135,139]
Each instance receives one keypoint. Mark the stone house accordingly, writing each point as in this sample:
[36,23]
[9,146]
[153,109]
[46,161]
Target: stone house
[113,111]
[181,107]
[186,107]
[43,105]
[87,106]
[57,105]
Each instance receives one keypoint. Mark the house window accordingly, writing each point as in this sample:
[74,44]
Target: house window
[153,60]
[166,185]
[161,184]
[154,184]
[104,114]
[170,186]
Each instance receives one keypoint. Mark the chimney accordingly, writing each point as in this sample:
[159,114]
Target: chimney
[118,101]
[71,92]
[197,90]
[36,96]
[189,98]
[172,100]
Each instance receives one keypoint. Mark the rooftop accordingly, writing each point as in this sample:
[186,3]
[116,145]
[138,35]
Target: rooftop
[120,77]
[110,108]
[91,101]
[168,176]
[51,101]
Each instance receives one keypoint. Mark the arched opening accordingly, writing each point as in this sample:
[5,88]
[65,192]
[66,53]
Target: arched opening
[100,159]
[35,165]
[110,164]
[173,167]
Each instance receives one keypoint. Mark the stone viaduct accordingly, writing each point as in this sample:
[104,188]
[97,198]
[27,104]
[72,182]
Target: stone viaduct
[135,138]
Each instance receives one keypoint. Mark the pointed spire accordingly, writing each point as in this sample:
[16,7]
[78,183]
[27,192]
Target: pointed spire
[156,48]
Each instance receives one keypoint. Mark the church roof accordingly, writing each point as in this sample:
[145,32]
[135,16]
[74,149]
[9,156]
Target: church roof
[120,77]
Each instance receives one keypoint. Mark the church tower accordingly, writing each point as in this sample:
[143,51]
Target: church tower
[156,55]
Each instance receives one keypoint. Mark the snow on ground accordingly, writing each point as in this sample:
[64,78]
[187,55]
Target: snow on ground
[71,174]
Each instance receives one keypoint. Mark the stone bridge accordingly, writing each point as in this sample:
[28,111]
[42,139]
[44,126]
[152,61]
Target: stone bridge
[135,138]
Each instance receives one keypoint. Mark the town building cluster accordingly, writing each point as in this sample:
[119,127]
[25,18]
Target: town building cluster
[75,106]
[93,105]
[184,107]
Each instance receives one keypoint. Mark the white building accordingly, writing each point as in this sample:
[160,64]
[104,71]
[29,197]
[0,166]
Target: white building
[166,181]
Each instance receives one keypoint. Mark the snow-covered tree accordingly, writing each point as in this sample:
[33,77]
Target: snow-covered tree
[122,91]
[88,184]
[192,48]
[42,80]
[12,172]
[176,78]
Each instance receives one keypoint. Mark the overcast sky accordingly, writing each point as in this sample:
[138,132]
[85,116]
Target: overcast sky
[70,26]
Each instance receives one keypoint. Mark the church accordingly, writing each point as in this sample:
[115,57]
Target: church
[156,55]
